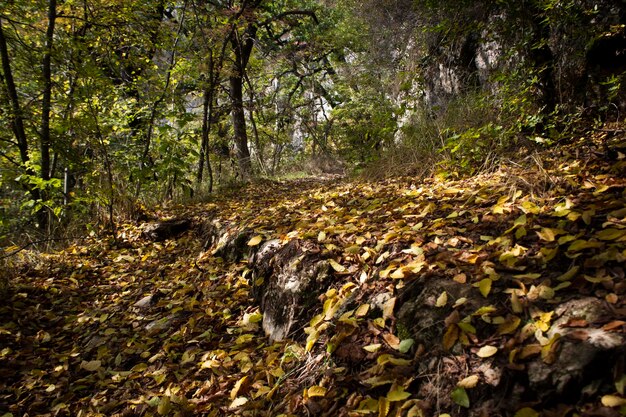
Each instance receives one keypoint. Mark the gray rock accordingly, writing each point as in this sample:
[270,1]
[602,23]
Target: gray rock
[166,229]
[293,277]
[582,349]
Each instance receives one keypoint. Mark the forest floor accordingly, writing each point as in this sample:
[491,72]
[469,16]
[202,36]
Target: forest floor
[518,275]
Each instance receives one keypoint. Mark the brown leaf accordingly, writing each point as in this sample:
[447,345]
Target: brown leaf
[391,340]
[614,325]
[451,336]
[575,322]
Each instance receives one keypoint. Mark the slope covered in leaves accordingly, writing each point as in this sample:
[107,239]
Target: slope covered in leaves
[447,296]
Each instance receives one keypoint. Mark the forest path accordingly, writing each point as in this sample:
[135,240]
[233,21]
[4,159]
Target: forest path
[136,327]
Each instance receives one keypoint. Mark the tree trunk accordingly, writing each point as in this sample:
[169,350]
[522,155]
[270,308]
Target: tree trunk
[242,47]
[257,141]
[207,114]
[47,93]
[239,126]
[17,122]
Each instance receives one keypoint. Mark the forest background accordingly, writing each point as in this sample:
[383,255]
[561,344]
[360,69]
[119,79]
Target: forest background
[109,107]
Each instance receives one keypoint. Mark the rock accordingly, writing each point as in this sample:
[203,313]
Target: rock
[232,244]
[379,301]
[146,301]
[586,352]
[164,324]
[417,311]
[292,278]
[166,229]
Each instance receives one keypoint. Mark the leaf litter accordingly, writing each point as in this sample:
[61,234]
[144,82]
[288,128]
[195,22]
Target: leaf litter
[500,267]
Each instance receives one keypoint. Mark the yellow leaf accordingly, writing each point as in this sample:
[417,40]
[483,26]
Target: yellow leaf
[255,240]
[549,235]
[487,351]
[459,302]
[499,207]
[610,234]
[91,366]
[383,407]
[317,319]
[277,372]
[397,274]
[516,304]
[545,292]
[527,276]
[397,393]
[353,250]
[237,387]
[485,286]
[164,405]
[321,236]
[466,327]
[336,266]
[597,279]
[613,401]
[442,300]
[526,412]
[415,411]
[316,391]
[377,381]
[569,274]
[238,402]
[566,239]
[311,339]
[373,348]
[509,326]
[579,245]
[530,208]
[368,404]
[362,310]
[469,382]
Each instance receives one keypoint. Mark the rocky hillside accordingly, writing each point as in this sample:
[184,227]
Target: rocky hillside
[500,294]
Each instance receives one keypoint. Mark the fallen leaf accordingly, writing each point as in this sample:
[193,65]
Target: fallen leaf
[238,402]
[91,366]
[255,240]
[450,337]
[392,340]
[484,286]
[383,407]
[405,345]
[468,382]
[237,387]
[336,266]
[509,326]
[613,401]
[526,412]
[164,406]
[460,397]
[373,347]
[487,351]
[316,391]
[397,393]
[442,300]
